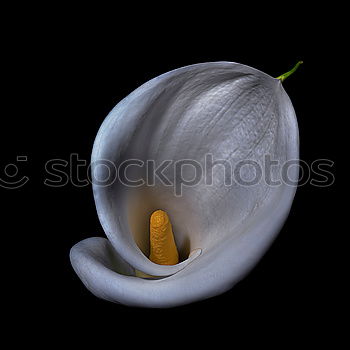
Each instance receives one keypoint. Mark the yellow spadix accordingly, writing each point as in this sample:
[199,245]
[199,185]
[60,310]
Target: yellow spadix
[163,249]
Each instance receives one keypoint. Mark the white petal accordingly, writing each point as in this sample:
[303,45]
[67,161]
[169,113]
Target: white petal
[229,110]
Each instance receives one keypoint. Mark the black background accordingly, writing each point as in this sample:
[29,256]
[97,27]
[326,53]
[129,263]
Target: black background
[65,73]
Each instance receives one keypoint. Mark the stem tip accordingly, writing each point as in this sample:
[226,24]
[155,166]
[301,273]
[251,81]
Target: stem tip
[286,75]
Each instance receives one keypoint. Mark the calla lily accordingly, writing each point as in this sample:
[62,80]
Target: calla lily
[231,111]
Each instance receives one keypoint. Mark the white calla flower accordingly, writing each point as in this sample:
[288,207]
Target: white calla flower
[232,113]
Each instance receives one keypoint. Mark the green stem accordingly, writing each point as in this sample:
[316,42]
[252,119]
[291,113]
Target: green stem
[286,75]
